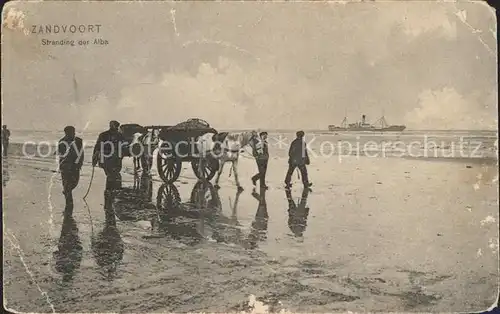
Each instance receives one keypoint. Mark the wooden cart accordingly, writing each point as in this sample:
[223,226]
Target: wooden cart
[177,146]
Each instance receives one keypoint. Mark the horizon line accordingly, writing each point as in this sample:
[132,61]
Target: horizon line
[282,130]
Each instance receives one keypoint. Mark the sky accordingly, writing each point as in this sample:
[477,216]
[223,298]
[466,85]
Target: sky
[262,65]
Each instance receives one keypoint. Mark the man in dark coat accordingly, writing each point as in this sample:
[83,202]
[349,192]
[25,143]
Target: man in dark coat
[70,151]
[262,160]
[298,158]
[5,140]
[108,153]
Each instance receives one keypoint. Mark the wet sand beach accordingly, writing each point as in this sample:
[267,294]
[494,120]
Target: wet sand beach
[396,102]
[374,234]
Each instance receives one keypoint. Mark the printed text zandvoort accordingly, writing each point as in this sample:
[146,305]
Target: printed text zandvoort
[65,28]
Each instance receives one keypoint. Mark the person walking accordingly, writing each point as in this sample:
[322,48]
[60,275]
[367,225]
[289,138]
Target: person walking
[262,160]
[71,155]
[108,155]
[298,158]
[5,140]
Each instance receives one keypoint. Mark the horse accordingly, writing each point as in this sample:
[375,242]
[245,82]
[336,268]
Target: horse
[143,145]
[150,142]
[135,146]
[226,147]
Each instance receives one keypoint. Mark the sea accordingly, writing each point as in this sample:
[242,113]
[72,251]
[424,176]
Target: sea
[408,143]
[21,136]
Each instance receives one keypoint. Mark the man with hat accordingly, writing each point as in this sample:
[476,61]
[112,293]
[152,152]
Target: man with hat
[70,152]
[108,153]
[262,160]
[298,158]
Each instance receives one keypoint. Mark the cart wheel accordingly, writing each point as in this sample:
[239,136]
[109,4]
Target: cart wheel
[209,168]
[169,168]
[168,197]
[167,201]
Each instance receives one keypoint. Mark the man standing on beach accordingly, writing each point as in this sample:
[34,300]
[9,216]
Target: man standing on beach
[70,151]
[298,158]
[108,154]
[262,160]
[5,139]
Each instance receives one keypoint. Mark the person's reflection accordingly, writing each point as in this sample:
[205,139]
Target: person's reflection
[259,225]
[5,172]
[204,196]
[68,256]
[297,215]
[108,246]
[146,187]
[133,203]
[225,229]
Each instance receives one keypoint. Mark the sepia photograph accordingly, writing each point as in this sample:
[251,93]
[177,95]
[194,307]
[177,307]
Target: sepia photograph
[250,156]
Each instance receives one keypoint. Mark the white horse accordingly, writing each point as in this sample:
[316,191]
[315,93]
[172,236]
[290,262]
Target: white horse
[226,147]
[148,141]
[136,140]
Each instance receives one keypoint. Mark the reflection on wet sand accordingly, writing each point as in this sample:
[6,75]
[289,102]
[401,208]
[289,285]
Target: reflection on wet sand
[194,221]
[5,172]
[184,220]
[203,218]
[144,184]
[108,246]
[297,214]
[132,203]
[259,225]
[68,256]
[227,229]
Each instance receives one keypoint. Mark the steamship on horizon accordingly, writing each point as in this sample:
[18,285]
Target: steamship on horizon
[380,125]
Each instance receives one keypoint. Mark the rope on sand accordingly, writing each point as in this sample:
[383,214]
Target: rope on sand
[90,183]
[90,216]
[87,205]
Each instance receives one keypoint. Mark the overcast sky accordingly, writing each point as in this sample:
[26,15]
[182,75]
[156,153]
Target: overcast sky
[429,65]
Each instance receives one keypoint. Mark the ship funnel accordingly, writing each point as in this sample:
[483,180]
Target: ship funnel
[363,119]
